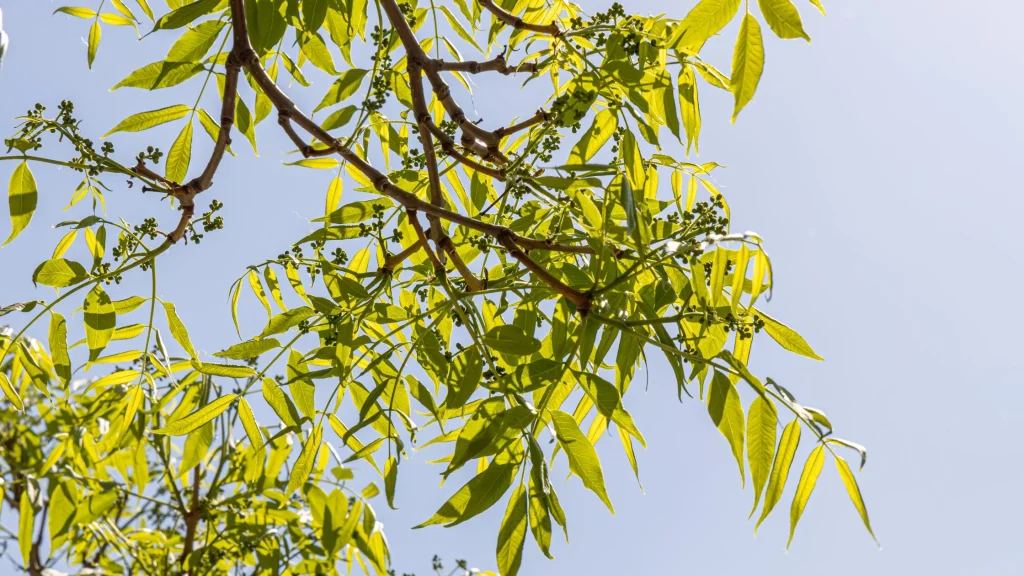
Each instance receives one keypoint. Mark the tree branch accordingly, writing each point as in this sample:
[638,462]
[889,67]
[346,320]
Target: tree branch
[518,23]
[497,64]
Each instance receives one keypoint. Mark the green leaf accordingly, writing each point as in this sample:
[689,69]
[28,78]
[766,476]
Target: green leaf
[186,14]
[511,339]
[808,479]
[146,120]
[854,491]
[633,160]
[58,340]
[747,63]
[304,463]
[689,107]
[160,74]
[284,321]
[76,11]
[338,119]
[10,392]
[26,524]
[583,460]
[476,496]
[540,516]
[178,330]
[390,480]
[59,273]
[22,197]
[609,402]
[727,413]
[783,18]
[604,125]
[128,304]
[252,431]
[95,33]
[761,422]
[313,47]
[313,14]
[63,501]
[280,403]
[345,86]
[512,534]
[196,419]
[705,20]
[100,320]
[223,370]
[787,337]
[356,212]
[195,43]
[249,349]
[180,155]
[316,163]
[460,30]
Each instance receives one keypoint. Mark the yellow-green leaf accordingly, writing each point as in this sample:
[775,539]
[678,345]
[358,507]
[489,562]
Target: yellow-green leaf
[787,337]
[604,125]
[10,392]
[257,289]
[333,195]
[94,41]
[780,469]
[26,525]
[249,349]
[196,419]
[391,480]
[761,422]
[58,340]
[76,11]
[304,463]
[22,197]
[193,45]
[345,86]
[180,155]
[100,320]
[705,20]
[783,18]
[146,120]
[512,534]
[223,370]
[747,63]
[808,479]
[62,247]
[252,430]
[727,413]
[689,108]
[160,75]
[583,460]
[476,496]
[178,330]
[854,491]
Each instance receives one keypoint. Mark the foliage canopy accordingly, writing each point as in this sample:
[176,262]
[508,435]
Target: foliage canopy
[504,285]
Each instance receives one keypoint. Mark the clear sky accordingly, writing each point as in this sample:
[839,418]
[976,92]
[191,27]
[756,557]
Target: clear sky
[881,166]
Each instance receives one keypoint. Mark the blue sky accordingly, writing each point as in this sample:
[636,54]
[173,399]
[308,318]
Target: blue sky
[879,165]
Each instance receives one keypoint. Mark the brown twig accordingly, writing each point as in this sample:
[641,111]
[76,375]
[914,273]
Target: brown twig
[291,114]
[191,520]
[392,262]
[518,23]
[472,282]
[496,64]
[537,118]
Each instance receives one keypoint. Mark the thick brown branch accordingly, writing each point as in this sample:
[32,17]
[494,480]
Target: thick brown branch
[581,300]
[472,283]
[496,64]
[518,23]
[417,56]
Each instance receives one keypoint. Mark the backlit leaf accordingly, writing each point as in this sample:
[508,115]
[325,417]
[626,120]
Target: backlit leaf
[22,197]
[583,460]
[808,479]
[747,63]
[196,419]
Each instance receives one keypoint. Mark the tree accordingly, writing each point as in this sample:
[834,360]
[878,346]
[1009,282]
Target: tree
[544,275]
